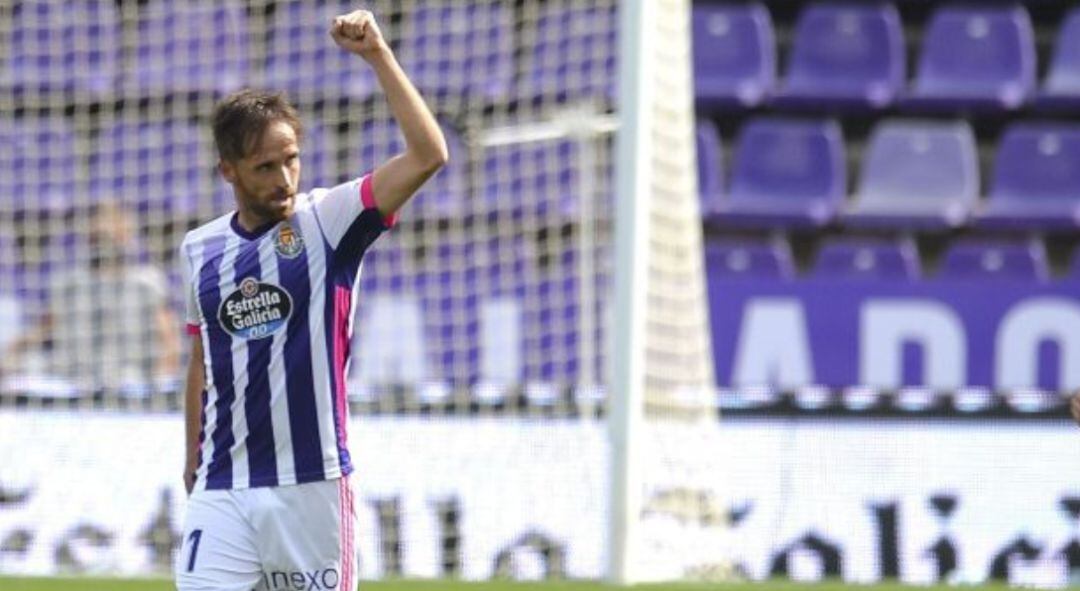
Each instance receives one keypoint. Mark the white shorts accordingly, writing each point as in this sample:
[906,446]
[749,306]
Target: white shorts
[270,539]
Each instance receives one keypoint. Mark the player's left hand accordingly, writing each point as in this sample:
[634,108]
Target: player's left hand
[359,33]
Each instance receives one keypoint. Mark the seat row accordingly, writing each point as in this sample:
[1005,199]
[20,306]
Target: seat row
[914,175]
[977,259]
[853,56]
[449,48]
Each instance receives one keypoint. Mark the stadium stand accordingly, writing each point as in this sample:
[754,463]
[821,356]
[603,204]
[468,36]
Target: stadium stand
[855,258]
[317,69]
[37,156]
[917,175]
[786,173]
[710,155]
[176,52]
[976,57]
[1061,86]
[31,64]
[846,56]
[989,259]
[734,54]
[572,52]
[730,258]
[1036,183]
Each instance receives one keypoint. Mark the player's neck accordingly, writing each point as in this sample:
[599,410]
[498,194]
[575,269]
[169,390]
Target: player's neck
[252,222]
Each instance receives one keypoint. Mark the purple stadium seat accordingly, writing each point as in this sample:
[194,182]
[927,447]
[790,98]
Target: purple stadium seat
[166,165]
[451,322]
[917,174]
[976,57]
[532,180]
[786,173]
[734,54]
[710,166]
[301,62]
[729,258]
[460,49]
[443,196]
[854,258]
[988,259]
[192,46]
[32,62]
[37,157]
[318,156]
[1036,178]
[573,52]
[1061,86]
[845,55]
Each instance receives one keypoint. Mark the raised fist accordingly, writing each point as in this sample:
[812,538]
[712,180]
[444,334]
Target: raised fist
[359,33]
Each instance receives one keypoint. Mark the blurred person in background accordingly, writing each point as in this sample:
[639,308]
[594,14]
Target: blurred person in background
[108,324]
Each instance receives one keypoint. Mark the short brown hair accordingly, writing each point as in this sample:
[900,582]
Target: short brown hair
[241,118]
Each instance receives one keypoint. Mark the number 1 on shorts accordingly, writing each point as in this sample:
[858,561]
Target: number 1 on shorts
[195,536]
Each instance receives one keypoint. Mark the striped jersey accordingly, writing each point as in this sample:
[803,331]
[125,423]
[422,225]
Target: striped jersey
[274,311]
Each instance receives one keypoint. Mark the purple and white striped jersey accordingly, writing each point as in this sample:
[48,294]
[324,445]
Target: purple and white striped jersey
[274,311]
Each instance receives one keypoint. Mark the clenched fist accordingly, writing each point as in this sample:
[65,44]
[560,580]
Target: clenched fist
[359,33]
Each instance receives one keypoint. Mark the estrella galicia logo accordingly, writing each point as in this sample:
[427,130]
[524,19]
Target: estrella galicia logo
[287,242]
[255,310]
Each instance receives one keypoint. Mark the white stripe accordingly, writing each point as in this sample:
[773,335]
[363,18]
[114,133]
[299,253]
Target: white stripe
[196,253]
[313,244]
[241,471]
[279,403]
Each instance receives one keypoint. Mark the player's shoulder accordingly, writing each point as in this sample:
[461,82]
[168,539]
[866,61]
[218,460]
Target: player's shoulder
[204,232]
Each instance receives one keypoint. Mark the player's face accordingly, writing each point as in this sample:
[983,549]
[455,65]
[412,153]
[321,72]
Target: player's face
[265,181]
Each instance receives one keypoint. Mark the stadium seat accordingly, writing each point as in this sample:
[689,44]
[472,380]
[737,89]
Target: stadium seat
[710,166]
[451,321]
[194,46]
[730,258]
[976,57]
[301,62]
[734,50]
[917,175]
[32,59]
[995,259]
[158,166]
[855,258]
[37,157]
[318,155]
[460,49]
[535,180]
[444,196]
[846,56]
[1036,178]
[786,173]
[1061,86]
[572,52]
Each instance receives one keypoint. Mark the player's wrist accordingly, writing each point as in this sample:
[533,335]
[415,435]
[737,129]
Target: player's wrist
[378,55]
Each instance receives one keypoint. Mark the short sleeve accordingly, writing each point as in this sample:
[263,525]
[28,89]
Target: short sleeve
[192,317]
[349,208]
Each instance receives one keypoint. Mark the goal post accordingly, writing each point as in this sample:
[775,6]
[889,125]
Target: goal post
[661,373]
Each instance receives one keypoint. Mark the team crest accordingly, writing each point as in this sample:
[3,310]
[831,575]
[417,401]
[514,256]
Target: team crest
[287,242]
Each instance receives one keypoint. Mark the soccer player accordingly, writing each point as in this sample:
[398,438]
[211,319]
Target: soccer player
[271,290]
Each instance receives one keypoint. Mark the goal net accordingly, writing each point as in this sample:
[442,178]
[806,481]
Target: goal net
[502,425]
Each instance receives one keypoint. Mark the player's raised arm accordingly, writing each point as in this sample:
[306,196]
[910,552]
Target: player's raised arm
[425,152]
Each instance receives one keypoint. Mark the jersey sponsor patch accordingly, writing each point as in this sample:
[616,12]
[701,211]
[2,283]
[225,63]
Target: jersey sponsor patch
[287,242]
[255,310]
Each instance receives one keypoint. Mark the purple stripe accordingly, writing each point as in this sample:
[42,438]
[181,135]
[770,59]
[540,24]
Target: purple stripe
[299,380]
[262,459]
[219,472]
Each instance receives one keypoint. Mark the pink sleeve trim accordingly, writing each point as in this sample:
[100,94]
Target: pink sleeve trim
[367,199]
[193,329]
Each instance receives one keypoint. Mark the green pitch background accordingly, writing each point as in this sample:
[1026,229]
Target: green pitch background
[88,584]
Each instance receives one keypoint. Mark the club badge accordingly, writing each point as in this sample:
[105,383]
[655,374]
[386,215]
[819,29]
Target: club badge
[287,242]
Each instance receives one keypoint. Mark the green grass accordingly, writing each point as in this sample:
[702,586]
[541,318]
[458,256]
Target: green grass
[101,584]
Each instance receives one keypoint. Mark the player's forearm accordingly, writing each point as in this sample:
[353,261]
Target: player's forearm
[193,389]
[424,141]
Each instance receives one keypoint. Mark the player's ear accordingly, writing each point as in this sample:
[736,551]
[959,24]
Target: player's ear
[228,170]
